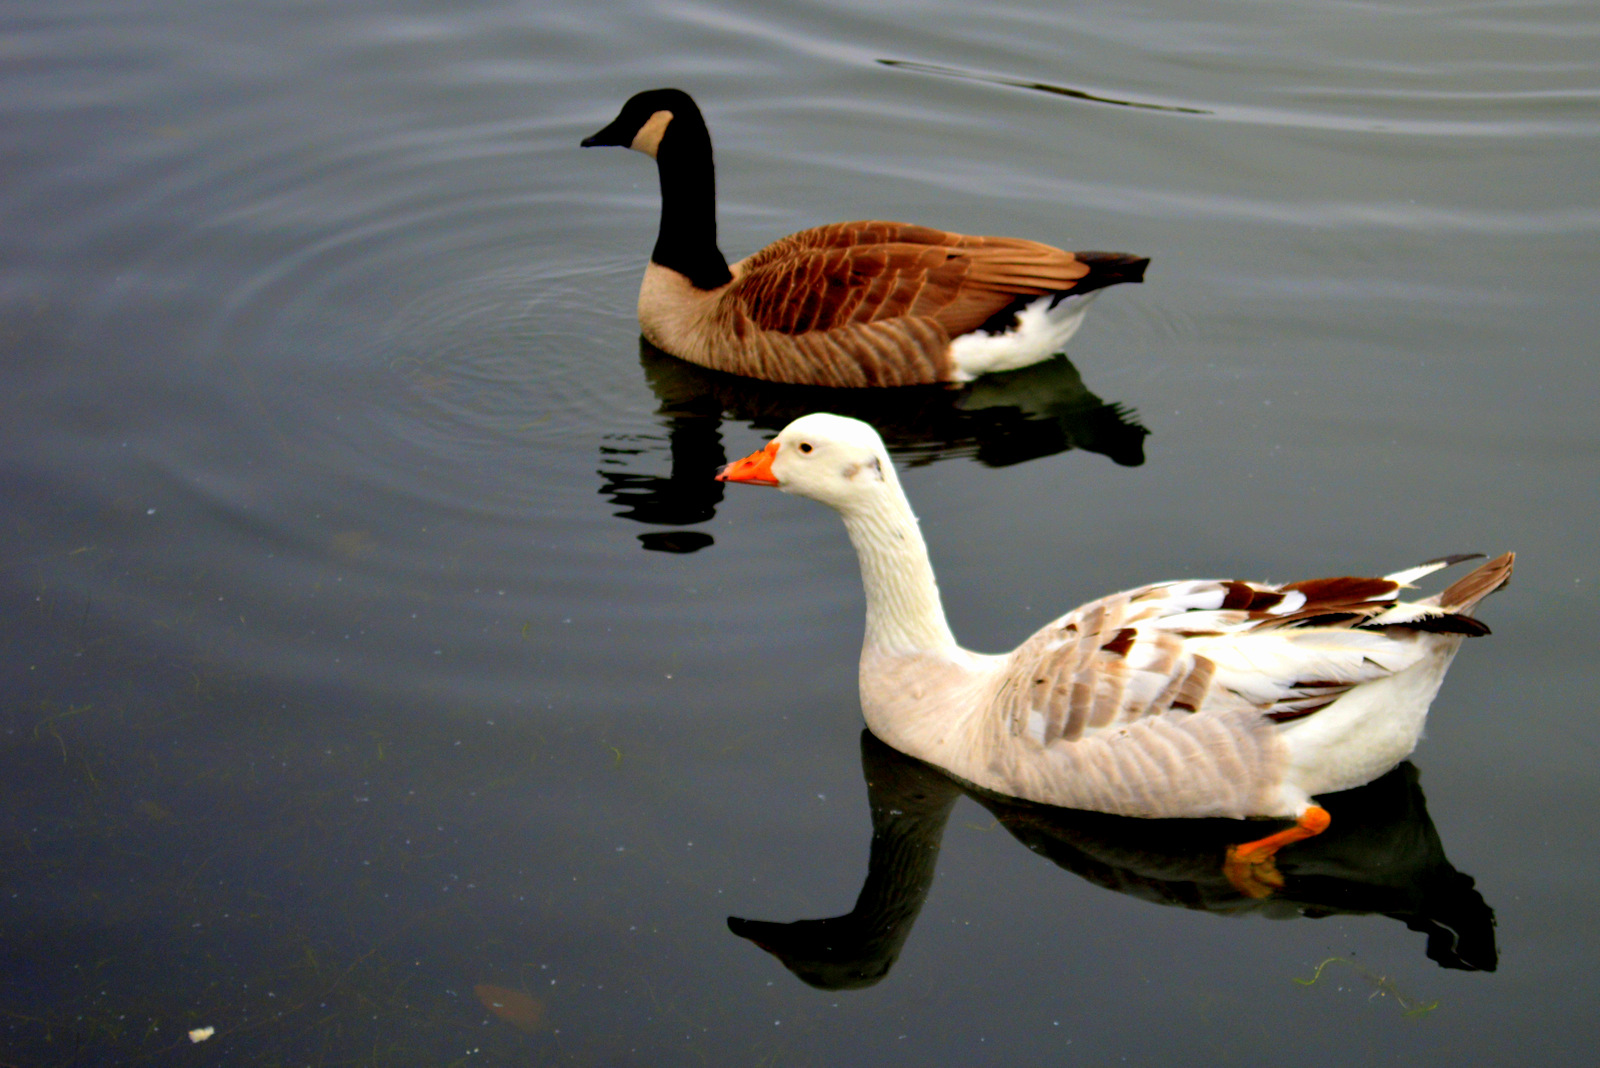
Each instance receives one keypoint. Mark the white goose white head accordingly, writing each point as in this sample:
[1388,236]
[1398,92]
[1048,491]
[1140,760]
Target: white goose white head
[829,458]
[842,463]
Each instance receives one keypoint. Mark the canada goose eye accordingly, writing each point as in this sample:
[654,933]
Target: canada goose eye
[804,446]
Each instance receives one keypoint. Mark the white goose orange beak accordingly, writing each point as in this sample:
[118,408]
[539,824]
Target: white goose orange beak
[755,469]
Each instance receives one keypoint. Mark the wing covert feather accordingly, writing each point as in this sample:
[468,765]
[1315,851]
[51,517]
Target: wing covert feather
[867,272]
[1210,647]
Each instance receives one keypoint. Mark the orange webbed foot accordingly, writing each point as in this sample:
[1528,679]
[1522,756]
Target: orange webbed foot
[1250,866]
[1252,878]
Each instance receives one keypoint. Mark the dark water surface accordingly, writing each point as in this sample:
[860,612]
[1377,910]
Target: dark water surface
[386,682]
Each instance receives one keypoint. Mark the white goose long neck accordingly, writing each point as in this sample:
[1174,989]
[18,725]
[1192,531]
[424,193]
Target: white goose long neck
[904,613]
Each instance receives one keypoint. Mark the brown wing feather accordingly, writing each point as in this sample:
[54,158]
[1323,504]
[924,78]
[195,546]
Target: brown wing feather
[867,272]
[1076,675]
[1127,657]
[1467,591]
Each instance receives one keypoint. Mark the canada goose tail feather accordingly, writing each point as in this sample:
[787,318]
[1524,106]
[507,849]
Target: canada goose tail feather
[1107,269]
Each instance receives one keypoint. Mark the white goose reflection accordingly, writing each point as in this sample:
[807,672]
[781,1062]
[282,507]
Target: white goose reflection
[1381,856]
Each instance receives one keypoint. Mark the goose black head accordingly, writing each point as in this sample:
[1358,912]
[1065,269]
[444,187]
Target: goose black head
[644,120]
[666,125]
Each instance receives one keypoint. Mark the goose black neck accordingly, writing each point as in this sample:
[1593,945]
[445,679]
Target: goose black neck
[687,242]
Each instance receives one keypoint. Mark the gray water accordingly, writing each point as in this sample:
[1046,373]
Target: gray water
[386,682]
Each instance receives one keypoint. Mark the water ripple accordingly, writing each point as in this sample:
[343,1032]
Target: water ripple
[1581,124]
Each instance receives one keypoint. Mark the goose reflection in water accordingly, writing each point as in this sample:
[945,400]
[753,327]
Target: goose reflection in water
[1000,419]
[1381,856]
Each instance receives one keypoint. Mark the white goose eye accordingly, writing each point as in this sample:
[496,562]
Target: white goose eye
[804,446]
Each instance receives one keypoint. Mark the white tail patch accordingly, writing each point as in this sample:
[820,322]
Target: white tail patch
[1040,333]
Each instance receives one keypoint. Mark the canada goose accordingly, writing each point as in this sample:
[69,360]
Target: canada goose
[1197,698]
[850,304]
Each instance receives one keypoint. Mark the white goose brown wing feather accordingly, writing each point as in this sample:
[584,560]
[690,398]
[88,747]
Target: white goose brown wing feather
[1276,653]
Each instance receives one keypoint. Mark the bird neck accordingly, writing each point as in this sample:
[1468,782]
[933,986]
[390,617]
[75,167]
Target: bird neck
[687,242]
[904,613]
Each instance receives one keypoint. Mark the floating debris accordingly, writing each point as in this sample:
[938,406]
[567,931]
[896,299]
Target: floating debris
[1382,986]
[522,1011]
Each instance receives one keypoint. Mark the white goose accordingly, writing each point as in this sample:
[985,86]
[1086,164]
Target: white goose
[867,303]
[1195,698]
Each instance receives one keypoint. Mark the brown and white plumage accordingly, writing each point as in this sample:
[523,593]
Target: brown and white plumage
[1193,698]
[1221,681]
[865,303]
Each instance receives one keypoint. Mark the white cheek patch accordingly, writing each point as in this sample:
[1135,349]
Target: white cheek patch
[648,139]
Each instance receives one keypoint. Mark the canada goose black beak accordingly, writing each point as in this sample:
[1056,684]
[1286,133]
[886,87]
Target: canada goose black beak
[611,135]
